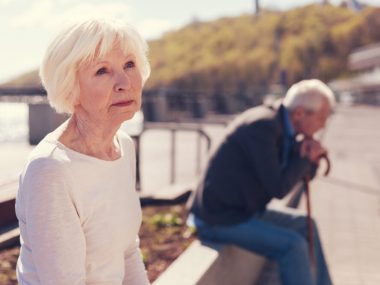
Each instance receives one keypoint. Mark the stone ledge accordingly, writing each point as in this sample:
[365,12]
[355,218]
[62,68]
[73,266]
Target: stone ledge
[201,264]
[9,237]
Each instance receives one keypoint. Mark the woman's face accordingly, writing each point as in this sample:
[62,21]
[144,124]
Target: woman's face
[110,87]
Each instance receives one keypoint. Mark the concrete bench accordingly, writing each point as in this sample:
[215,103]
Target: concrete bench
[222,264]
[173,194]
[204,264]
[9,232]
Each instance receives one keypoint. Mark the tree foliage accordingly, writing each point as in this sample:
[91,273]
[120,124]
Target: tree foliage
[311,41]
[237,53]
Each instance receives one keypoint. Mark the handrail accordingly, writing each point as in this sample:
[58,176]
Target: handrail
[173,128]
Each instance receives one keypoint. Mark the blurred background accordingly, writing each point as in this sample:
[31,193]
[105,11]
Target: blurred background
[212,56]
[210,60]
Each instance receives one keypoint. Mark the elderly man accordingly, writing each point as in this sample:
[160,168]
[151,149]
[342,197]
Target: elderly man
[258,160]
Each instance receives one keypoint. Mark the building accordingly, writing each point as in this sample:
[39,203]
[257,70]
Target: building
[364,86]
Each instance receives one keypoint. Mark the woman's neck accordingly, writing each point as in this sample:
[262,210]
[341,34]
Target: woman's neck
[91,137]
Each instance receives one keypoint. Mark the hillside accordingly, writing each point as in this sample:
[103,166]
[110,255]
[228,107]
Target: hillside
[276,47]
[312,41]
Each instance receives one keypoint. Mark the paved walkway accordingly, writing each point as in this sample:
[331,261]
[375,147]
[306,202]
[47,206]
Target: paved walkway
[347,203]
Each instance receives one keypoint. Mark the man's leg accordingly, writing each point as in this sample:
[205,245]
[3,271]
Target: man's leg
[286,246]
[295,220]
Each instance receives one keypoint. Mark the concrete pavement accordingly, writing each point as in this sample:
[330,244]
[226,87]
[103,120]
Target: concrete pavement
[346,204]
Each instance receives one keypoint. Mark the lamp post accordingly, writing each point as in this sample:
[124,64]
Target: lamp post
[257,7]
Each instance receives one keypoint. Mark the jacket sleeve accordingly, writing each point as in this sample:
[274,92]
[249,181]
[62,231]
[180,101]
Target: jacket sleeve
[260,143]
[53,228]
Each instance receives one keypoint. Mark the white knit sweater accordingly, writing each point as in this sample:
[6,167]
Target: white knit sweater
[79,217]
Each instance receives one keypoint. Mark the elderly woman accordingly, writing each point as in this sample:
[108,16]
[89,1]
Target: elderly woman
[77,207]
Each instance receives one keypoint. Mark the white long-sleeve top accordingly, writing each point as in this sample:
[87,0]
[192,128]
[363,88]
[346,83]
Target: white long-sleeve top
[79,218]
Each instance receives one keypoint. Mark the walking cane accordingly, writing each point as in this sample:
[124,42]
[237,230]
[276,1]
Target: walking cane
[310,229]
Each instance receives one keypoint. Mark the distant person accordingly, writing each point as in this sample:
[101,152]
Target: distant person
[258,160]
[77,207]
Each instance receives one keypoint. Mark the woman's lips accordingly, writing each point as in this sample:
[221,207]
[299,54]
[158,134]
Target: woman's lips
[123,103]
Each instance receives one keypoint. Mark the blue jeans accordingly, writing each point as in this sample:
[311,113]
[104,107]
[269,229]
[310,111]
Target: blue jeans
[277,235]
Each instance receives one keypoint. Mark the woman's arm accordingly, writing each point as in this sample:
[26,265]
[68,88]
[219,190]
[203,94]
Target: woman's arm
[54,231]
[135,273]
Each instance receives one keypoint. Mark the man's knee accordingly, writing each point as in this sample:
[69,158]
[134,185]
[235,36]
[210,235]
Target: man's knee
[304,221]
[314,225]
[299,244]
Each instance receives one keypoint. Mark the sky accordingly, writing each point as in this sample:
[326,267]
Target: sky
[27,26]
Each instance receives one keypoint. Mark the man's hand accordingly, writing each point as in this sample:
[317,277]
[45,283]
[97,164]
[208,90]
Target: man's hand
[312,149]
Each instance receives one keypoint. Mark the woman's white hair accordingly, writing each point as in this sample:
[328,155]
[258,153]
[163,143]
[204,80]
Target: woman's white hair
[79,44]
[308,94]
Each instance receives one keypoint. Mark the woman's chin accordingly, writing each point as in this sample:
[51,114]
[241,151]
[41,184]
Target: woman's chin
[127,115]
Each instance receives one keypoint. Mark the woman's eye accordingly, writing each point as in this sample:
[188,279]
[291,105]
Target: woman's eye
[130,64]
[101,71]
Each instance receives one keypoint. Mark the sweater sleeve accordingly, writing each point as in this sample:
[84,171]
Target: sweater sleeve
[135,273]
[263,153]
[57,242]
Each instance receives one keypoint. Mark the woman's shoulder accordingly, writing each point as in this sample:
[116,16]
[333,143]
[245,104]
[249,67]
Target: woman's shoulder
[45,174]
[47,151]
[47,157]
[45,177]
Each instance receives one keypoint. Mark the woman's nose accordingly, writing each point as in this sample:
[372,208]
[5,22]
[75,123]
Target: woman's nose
[122,82]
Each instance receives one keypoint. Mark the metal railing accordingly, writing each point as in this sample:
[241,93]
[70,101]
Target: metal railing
[23,95]
[173,128]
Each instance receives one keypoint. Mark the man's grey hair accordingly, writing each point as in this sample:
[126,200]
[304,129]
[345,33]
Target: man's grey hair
[309,94]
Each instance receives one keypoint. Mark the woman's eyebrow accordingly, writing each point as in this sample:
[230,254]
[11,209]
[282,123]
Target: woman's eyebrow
[100,61]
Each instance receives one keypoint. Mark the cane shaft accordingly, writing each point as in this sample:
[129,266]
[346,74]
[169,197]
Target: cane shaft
[310,228]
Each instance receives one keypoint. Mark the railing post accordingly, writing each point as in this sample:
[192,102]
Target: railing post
[199,141]
[172,156]
[173,128]
[138,177]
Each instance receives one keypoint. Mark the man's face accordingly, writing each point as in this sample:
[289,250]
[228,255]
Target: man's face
[308,122]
